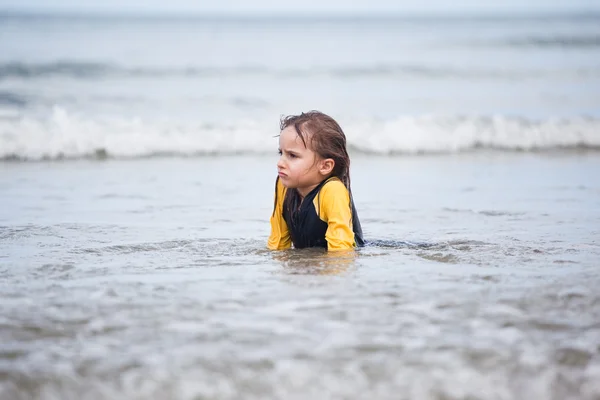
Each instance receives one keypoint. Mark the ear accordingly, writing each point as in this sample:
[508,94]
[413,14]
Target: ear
[326,166]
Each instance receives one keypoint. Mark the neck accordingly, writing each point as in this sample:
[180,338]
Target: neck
[306,190]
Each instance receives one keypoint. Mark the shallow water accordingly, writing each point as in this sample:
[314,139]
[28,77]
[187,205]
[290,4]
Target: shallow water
[136,187]
[150,278]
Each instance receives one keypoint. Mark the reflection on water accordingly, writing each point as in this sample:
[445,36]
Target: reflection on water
[319,261]
[315,261]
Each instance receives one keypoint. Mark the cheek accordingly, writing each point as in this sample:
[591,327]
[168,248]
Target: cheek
[300,165]
[298,168]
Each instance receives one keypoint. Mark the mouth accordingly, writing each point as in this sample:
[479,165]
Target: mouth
[282,175]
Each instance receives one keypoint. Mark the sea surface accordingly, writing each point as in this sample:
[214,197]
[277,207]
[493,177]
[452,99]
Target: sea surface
[136,183]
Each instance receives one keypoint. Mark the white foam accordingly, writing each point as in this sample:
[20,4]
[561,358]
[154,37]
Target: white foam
[64,135]
[67,136]
[433,134]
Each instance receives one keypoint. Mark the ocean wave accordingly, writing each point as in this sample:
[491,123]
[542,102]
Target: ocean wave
[66,136]
[575,42]
[91,71]
[12,99]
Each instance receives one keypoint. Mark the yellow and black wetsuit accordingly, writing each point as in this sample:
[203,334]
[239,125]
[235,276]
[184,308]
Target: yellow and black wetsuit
[326,218]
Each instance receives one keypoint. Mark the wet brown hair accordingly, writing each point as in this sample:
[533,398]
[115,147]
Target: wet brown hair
[323,135]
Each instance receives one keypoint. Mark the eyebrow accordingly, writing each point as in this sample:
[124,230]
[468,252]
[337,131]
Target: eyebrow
[288,151]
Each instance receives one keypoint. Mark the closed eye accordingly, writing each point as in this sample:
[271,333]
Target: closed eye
[279,152]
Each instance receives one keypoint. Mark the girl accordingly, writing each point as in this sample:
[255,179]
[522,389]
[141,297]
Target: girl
[313,201]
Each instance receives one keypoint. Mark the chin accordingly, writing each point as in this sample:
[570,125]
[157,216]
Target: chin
[286,183]
[289,185]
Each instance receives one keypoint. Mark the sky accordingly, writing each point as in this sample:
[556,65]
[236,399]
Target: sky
[304,6]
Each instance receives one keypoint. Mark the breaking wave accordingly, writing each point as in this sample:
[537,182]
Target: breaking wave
[66,136]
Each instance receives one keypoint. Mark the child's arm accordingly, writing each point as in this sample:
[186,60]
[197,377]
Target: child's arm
[280,235]
[334,208]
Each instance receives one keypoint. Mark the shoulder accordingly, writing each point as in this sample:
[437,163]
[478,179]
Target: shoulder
[334,187]
[333,202]
[333,198]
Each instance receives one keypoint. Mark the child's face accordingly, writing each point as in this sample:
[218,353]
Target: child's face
[298,166]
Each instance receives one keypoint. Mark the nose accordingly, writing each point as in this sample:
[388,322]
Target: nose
[280,164]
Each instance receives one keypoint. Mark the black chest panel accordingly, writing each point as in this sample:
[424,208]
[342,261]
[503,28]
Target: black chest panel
[306,228]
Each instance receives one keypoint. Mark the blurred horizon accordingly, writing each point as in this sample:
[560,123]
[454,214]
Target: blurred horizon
[327,8]
[328,15]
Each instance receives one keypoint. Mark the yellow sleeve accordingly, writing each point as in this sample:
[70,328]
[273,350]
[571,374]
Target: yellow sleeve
[280,235]
[334,208]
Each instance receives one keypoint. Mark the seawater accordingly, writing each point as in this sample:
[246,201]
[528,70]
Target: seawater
[73,87]
[137,182]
